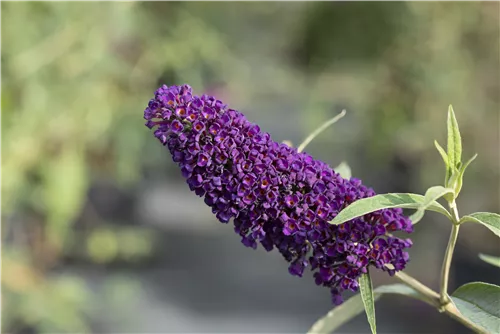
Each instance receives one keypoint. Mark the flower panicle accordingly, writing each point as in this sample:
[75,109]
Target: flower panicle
[276,196]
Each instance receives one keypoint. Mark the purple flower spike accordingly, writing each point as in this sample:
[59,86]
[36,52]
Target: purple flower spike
[297,268]
[198,126]
[181,112]
[203,160]
[177,127]
[276,196]
[290,227]
[291,200]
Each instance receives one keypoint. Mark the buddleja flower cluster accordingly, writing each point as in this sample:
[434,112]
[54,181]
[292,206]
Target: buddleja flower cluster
[276,196]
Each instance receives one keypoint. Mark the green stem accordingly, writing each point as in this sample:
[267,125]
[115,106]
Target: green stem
[441,300]
[448,256]
[432,298]
[322,128]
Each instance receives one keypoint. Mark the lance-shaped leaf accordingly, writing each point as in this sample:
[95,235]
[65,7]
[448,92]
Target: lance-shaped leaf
[454,139]
[344,170]
[366,292]
[319,130]
[479,302]
[339,315]
[460,177]
[354,306]
[493,260]
[444,155]
[399,289]
[489,219]
[431,195]
[385,201]
[442,152]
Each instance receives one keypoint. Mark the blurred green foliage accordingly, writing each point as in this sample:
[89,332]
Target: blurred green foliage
[76,77]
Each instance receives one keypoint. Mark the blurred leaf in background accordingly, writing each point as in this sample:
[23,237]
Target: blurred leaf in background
[75,79]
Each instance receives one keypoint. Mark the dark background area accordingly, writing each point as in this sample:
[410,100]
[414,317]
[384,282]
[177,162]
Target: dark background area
[99,232]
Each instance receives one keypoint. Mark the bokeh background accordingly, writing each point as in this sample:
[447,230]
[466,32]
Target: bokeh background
[99,232]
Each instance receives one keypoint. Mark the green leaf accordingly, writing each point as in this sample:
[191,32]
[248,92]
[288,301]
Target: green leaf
[493,260]
[479,302]
[399,289]
[339,315]
[354,306]
[385,201]
[452,181]
[322,128]
[366,291]
[454,139]
[417,216]
[459,181]
[344,170]
[443,154]
[489,219]
[64,191]
[431,195]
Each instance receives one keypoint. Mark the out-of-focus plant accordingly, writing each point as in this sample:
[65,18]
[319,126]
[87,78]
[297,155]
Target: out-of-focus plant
[30,300]
[439,51]
[69,95]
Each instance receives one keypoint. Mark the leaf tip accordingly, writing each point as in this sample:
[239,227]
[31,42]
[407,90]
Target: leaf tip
[451,116]
[344,170]
[451,112]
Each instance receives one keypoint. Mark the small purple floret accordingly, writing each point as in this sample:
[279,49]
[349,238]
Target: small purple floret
[276,196]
